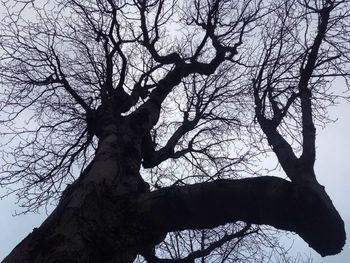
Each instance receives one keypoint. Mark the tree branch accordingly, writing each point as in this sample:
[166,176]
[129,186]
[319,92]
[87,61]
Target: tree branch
[306,210]
[62,79]
[308,127]
[151,258]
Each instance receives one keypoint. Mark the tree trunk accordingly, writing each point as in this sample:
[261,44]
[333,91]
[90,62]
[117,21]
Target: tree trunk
[94,220]
[108,215]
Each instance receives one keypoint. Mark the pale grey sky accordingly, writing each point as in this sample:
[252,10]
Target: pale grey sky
[332,169]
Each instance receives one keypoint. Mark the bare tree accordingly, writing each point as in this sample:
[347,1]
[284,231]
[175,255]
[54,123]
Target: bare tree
[142,118]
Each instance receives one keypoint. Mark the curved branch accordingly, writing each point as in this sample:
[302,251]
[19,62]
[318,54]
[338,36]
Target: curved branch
[153,158]
[264,200]
[172,58]
[308,127]
[62,79]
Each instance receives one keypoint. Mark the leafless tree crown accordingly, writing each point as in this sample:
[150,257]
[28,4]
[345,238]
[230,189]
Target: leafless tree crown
[206,83]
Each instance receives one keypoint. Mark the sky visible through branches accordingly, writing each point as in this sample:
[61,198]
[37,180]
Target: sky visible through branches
[47,159]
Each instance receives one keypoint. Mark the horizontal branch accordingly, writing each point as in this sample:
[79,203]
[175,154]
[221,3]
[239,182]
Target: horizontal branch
[306,210]
[90,216]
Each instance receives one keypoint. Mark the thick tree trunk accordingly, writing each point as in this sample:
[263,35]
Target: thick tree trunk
[91,222]
[108,215]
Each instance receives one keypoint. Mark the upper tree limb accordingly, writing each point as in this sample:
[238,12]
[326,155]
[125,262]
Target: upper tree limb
[307,211]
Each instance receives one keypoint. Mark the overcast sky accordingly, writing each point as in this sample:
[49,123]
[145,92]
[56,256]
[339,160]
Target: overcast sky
[332,169]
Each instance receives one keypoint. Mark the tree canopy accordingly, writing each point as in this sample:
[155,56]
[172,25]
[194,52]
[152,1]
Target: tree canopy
[141,118]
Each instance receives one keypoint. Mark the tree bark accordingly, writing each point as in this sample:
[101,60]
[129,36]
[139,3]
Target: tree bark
[90,223]
[108,216]
[305,210]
